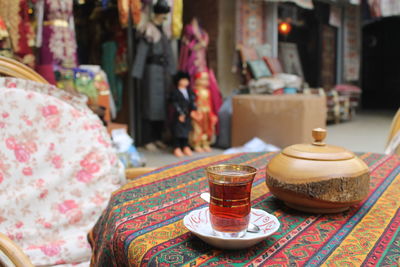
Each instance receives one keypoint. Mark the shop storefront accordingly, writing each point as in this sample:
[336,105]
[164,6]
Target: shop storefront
[122,54]
[124,61]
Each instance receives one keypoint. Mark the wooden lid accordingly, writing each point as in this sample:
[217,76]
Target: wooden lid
[318,150]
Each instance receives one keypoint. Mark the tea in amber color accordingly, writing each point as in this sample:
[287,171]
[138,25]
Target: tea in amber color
[230,188]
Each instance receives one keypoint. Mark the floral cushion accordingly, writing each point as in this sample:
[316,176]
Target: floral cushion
[57,171]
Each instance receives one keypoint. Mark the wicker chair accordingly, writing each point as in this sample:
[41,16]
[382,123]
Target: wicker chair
[12,68]
[11,254]
[393,142]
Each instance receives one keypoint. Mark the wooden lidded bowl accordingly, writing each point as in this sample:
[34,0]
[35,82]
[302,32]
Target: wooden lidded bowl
[317,177]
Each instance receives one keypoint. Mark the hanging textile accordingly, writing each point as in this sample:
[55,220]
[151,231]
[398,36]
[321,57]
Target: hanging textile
[177,24]
[123,9]
[136,11]
[134,6]
[16,17]
[108,63]
[216,97]
[352,43]
[5,43]
[55,37]
[3,29]
[193,53]
[250,17]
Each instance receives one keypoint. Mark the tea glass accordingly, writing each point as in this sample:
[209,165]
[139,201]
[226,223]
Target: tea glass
[230,189]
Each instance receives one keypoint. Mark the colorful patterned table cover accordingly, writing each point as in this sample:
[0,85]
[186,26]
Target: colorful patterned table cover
[142,225]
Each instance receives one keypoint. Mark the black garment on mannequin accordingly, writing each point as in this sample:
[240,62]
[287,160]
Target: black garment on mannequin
[152,131]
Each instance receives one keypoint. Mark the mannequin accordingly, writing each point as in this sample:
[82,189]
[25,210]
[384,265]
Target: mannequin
[204,123]
[184,109]
[154,65]
[194,49]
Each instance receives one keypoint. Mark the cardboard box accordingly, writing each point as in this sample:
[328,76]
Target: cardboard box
[280,120]
[112,126]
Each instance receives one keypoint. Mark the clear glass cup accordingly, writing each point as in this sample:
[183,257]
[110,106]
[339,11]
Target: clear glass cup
[230,189]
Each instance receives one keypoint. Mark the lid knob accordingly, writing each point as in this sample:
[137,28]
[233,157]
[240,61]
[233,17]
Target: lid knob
[319,135]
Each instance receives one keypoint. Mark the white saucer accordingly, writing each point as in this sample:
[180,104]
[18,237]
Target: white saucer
[198,222]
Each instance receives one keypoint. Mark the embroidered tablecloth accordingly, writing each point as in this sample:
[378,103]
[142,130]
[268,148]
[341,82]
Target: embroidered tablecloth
[142,225]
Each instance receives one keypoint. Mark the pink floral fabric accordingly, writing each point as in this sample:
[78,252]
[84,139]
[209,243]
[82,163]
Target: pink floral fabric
[57,171]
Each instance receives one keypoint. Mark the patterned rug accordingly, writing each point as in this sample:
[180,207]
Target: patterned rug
[143,222]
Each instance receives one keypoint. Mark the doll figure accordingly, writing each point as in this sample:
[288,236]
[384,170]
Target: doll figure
[204,123]
[184,109]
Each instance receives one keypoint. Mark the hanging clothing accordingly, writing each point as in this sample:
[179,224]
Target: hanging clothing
[215,94]
[5,43]
[55,37]
[154,65]
[134,6]
[108,64]
[3,29]
[121,58]
[177,25]
[193,54]
[16,17]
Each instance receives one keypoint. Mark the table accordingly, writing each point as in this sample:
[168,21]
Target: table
[142,225]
